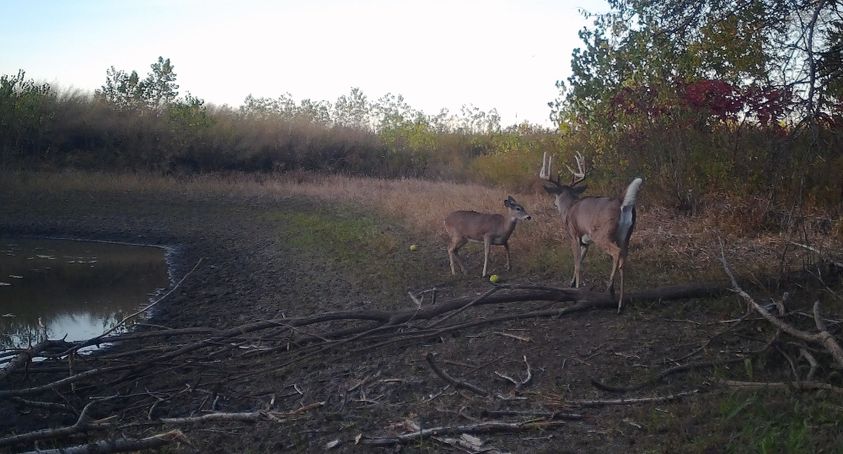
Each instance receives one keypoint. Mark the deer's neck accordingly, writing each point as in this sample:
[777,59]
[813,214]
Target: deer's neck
[563,204]
[509,226]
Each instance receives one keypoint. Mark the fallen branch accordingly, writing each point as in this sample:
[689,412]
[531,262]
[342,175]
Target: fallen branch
[83,422]
[98,339]
[483,427]
[665,373]
[550,415]
[627,401]
[795,385]
[276,416]
[488,293]
[453,381]
[121,445]
[55,384]
[522,383]
[819,253]
[52,406]
[823,337]
[25,356]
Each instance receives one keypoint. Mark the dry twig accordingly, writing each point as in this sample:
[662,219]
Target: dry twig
[453,381]
[121,445]
[823,337]
[483,427]
[522,383]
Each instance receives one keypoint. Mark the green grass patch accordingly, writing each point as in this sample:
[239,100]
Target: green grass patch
[351,239]
[776,423]
[753,422]
[370,250]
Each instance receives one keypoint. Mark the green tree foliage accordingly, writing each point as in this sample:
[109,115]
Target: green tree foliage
[26,115]
[130,125]
[122,90]
[353,110]
[160,88]
[710,96]
[127,91]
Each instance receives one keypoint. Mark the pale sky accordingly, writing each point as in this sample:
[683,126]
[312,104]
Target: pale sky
[437,54]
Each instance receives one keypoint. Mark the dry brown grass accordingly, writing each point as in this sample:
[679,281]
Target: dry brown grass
[665,243]
[664,239]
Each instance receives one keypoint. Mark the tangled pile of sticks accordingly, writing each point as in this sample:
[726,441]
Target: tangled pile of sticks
[62,381]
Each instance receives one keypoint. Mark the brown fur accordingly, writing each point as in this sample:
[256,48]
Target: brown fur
[595,220]
[490,229]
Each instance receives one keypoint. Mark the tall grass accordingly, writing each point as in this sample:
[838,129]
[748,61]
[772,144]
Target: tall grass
[749,177]
[42,128]
[666,247]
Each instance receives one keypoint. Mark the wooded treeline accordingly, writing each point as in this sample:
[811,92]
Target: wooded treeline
[705,100]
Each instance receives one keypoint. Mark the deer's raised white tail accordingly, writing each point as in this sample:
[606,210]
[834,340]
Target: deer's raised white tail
[607,222]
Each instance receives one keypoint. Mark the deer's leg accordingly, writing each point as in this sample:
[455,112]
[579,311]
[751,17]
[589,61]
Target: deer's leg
[453,257]
[579,251]
[620,269]
[616,254]
[575,249]
[487,243]
[583,251]
[506,246]
[611,286]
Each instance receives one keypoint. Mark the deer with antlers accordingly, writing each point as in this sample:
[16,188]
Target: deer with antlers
[536,185]
[489,229]
[605,221]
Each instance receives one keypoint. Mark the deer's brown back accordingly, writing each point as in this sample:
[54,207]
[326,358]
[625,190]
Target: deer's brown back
[473,225]
[596,217]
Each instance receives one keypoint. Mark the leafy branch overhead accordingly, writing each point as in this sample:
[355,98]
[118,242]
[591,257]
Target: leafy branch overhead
[766,59]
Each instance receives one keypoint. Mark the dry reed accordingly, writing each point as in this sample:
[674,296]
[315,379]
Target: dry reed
[663,239]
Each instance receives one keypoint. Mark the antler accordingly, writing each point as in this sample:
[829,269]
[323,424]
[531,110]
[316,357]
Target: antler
[581,173]
[547,164]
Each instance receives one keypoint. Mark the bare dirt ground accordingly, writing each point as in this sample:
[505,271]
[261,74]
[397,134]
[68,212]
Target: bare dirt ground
[267,259]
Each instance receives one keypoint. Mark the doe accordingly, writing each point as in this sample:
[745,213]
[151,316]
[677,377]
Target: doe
[465,226]
[605,221]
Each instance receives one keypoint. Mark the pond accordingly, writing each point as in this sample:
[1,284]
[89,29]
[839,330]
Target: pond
[76,289]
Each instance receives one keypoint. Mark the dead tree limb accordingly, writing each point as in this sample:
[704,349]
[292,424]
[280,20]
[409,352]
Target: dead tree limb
[522,383]
[120,445]
[26,355]
[823,337]
[665,373]
[385,320]
[795,385]
[276,416]
[627,401]
[57,383]
[466,306]
[483,427]
[819,253]
[98,339]
[535,414]
[83,422]
[453,381]
[52,406]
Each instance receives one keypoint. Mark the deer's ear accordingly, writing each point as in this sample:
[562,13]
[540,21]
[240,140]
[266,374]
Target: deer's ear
[580,189]
[507,203]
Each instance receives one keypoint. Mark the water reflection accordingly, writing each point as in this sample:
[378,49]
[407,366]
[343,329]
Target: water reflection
[75,288]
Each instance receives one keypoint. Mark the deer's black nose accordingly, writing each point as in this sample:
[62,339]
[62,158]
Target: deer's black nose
[529,217]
